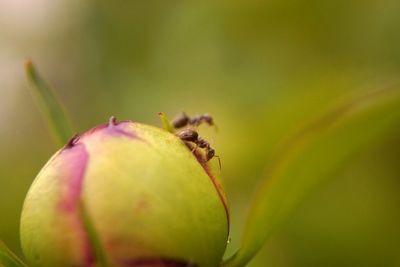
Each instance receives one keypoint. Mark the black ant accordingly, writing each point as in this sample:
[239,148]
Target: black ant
[184,120]
[189,135]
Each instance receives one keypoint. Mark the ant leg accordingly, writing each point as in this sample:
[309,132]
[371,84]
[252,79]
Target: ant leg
[212,141]
[216,128]
[194,149]
[219,162]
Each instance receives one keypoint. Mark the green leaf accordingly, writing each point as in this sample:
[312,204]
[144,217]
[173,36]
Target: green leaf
[49,105]
[313,153]
[8,258]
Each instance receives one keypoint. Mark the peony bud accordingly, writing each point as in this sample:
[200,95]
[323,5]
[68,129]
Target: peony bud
[148,199]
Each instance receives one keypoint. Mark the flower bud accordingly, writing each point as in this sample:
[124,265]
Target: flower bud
[147,199]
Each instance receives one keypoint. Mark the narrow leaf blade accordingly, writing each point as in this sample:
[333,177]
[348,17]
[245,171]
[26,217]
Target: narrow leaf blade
[311,155]
[8,258]
[49,106]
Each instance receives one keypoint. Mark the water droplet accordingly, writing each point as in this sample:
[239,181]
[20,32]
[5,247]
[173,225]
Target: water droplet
[229,240]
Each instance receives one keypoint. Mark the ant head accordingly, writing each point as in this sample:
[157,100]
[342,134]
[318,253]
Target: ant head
[210,153]
[188,135]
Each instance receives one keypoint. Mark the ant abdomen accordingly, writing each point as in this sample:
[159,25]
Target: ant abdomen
[180,121]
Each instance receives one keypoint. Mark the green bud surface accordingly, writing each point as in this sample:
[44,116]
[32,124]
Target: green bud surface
[149,201]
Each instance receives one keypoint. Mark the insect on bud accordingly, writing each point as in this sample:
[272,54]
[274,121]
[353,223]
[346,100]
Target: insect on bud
[136,189]
[181,121]
[188,135]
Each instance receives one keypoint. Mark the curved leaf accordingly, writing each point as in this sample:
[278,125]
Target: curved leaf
[311,154]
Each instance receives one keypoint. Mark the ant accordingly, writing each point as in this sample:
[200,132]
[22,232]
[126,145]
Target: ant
[184,120]
[189,135]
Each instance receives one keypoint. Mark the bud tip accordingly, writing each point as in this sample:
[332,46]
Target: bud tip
[112,121]
[71,142]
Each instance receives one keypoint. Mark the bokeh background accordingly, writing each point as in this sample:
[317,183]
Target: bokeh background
[261,68]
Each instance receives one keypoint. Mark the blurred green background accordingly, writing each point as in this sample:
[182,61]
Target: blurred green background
[261,68]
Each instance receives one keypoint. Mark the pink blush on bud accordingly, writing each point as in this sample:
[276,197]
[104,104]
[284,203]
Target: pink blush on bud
[73,164]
